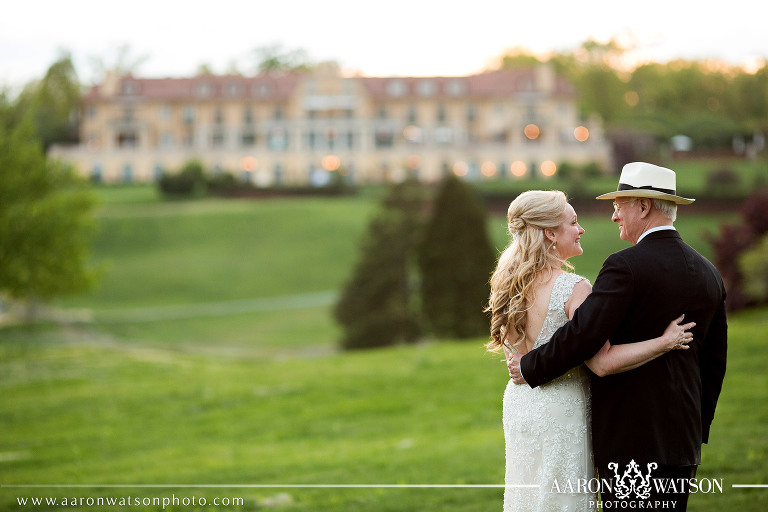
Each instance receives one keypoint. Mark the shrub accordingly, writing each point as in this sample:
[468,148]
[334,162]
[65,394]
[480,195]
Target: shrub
[189,181]
[734,240]
[723,182]
[754,263]
[225,184]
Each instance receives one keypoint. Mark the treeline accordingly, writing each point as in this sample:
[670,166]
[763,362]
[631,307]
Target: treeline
[716,105]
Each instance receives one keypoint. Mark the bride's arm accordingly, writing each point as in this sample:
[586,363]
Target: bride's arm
[620,358]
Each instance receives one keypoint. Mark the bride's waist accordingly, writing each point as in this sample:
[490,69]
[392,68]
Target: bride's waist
[575,379]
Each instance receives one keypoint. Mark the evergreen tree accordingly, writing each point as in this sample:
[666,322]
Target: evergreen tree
[456,260]
[378,306]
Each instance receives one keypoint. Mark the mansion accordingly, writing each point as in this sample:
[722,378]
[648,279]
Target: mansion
[299,128]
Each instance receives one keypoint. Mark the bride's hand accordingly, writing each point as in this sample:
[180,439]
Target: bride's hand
[676,337]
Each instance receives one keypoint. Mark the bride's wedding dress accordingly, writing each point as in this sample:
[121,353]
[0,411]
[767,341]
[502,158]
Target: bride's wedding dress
[547,430]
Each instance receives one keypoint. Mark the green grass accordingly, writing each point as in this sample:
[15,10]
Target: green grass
[78,410]
[260,396]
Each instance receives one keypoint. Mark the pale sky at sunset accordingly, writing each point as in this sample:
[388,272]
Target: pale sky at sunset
[395,37]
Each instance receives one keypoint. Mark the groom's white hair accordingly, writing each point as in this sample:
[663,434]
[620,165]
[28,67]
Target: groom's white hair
[667,208]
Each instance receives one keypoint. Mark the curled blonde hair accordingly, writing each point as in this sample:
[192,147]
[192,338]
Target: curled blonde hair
[528,254]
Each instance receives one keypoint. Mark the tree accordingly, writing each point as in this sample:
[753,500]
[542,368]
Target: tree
[276,58]
[518,58]
[456,260]
[53,103]
[123,63]
[45,220]
[378,305]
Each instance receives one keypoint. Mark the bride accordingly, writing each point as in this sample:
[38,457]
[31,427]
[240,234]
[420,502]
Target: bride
[547,429]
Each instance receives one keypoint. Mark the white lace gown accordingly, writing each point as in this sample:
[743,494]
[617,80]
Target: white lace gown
[547,430]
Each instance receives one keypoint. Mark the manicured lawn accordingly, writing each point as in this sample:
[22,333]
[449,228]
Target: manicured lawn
[80,410]
[249,388]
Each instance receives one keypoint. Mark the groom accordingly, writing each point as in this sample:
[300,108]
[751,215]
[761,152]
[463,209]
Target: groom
[659,413]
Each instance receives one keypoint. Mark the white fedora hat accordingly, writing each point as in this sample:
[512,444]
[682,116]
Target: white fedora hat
[639,179]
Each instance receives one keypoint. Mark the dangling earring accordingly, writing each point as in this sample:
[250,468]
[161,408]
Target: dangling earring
[554,246]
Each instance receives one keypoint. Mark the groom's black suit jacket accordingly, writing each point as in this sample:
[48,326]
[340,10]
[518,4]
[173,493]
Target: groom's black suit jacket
[661,411]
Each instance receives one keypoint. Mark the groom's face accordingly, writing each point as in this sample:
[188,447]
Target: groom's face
[627,217]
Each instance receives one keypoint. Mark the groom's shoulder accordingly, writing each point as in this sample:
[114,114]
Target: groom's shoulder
[626,258]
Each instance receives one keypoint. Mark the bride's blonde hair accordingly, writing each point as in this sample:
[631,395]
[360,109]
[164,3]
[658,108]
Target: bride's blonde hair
[529,253]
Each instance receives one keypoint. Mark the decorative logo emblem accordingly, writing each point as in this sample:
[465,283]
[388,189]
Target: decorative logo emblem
[633,481]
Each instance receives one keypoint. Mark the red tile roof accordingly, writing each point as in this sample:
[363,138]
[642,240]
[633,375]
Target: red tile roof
[491,84]
[279,86]
[268,87]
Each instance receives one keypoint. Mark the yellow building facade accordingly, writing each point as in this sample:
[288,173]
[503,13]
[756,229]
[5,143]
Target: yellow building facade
[297,129]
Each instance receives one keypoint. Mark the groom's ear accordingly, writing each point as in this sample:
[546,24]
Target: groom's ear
[645,207]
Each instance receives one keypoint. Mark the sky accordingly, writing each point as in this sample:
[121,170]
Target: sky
[396,37]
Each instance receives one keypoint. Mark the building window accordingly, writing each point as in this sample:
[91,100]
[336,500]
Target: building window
[531,114]
[412,115]
[278,174]
[248,138]
[311,140]
[384,138]
[277,140]
[217,139]
[96,174]
[456,87]
[166,140]
[127,139]
[262,90]
[94,141]
[233,89]
[396,88]
[165,111]
[218,116]
[128,115]
[188,114]
[330,137]
[278,114]
[248,115]
[158,172]
[441,116]
[129,88]
[426,88]
[382,114]
[444,135]
[204,90]
[127,173]
[471,113]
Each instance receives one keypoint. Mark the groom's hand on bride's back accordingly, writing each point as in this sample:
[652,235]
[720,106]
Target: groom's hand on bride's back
[515,374]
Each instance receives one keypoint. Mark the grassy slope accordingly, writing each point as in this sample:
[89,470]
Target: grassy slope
[208,400]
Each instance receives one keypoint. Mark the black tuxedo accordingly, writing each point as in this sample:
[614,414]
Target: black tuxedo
[661,411]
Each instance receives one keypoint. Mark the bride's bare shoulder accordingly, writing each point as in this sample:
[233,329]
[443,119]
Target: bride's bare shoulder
[580,292]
